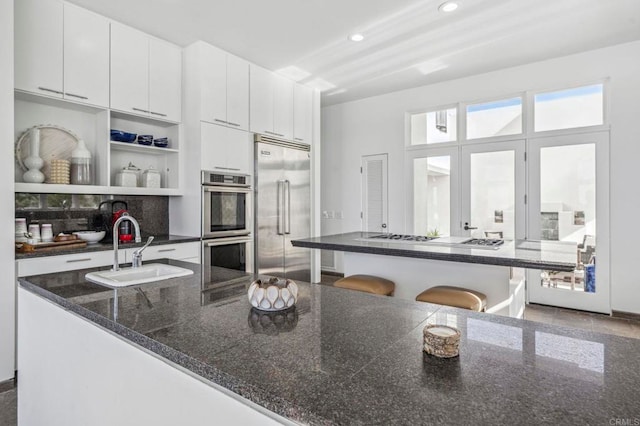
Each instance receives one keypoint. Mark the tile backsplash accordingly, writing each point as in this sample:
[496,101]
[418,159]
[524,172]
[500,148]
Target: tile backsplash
[69,212]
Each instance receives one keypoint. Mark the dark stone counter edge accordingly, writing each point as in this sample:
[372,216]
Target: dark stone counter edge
[451,257]
[259,396]
[90,248]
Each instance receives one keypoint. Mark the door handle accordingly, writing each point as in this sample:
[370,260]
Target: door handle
[467,227]
[280,207]
[287,200]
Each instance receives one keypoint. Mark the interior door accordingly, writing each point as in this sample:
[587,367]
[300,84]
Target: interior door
[493,190]
[297,202]
[374,193]
[269,229]
[568,191]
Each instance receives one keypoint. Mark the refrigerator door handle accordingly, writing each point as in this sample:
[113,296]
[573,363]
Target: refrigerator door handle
[280,207]
[287,224]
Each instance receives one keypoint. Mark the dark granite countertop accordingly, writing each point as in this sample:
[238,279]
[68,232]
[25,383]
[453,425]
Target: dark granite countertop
[345,357]
[554,255]
[157,240]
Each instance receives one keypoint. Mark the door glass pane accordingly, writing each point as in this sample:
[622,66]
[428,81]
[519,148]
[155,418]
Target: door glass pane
[434,127]
[494,118]
[492,191]
[566,109]
[432,188]
[568,210]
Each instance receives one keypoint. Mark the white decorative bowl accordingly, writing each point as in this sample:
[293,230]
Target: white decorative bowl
[91,236]
[274,295]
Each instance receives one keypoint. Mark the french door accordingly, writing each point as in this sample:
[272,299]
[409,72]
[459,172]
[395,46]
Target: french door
[568,201]
[493,190]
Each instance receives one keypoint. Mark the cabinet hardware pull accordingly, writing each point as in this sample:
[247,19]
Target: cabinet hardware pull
[279,134]
[233,124]
[158,113]
[271,133]
[140,110]
[85,259]
[298,139]
[51,90]
[226,168]
[76,96]
[165,250]
[219,121]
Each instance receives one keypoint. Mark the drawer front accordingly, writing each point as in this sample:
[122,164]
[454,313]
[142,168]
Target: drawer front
[168,251]
[69,262]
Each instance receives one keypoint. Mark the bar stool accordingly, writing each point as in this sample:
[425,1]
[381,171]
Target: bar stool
[454,296]
[368,284]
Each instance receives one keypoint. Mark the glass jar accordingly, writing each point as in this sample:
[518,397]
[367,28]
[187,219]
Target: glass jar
[81,165]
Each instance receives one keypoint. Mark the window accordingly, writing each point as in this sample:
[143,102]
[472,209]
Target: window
[434,127]
[567,109]
[432,194]
[497,118]
[27,201]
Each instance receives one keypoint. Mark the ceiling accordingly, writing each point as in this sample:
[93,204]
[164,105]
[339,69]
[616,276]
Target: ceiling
[407,43]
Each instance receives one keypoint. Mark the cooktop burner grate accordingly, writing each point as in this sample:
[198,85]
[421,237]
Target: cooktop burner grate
[403,237]
[486,242]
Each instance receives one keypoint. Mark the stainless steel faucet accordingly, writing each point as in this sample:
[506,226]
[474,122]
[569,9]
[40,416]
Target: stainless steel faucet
[136,262]
[116,237]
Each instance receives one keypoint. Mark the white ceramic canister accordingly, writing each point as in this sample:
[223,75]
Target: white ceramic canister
[46,233]
[128,176]
[151,178]
[34,230]
[21,229]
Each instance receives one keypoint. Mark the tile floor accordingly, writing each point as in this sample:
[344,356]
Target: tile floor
[564,317]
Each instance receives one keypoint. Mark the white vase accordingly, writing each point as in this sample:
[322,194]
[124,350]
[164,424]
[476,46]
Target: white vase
[33,162]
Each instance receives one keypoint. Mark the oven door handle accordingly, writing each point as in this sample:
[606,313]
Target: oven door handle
[230,189]
[280,207]
[225,241]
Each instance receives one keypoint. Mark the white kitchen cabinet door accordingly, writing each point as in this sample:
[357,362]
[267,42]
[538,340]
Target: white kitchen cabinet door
[237,93]
[165,80]
[86,56]
[213,150]
[129,70]
[261,100]
[239,151]
[283,107]
[213,84]
[302,113]
[38,46]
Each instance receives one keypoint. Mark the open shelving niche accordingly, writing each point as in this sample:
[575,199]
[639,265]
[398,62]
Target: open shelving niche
[92,124]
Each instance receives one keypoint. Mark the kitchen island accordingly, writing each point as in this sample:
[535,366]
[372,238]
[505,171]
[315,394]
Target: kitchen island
[340,357]
[415,266]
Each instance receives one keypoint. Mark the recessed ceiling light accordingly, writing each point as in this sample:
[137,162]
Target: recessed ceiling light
[449,6]
[356,37]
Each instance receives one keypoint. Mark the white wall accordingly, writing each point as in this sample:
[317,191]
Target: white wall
[7,285]
[377,125]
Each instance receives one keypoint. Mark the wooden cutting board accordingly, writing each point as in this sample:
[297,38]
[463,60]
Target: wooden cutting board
[40,247]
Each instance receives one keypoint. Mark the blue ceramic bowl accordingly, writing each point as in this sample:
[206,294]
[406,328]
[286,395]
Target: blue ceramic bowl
[145,139]
[120,136]
[161,143]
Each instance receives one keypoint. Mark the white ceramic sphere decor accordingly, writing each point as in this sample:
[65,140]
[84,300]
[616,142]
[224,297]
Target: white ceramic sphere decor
[273,295]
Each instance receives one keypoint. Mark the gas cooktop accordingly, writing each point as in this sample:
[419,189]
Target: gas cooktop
[489,243]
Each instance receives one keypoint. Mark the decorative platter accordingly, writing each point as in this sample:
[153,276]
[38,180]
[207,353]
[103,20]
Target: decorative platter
[56,143]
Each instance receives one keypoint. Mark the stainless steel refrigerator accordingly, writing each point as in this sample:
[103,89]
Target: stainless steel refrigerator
[282,208]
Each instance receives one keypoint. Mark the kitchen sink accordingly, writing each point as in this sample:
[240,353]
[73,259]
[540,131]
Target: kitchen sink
[134,276]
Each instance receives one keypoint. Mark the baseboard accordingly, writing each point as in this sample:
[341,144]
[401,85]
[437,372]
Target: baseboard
[332,273]
[626,315]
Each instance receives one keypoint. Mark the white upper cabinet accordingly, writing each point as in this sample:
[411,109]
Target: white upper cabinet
[302,113]
[262,94]
[129,70]
[86,56]
[145,74]
[39,46]
[61,51]
[283,107]
[225,149]
[165,80]
[224,87]
[237,92]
